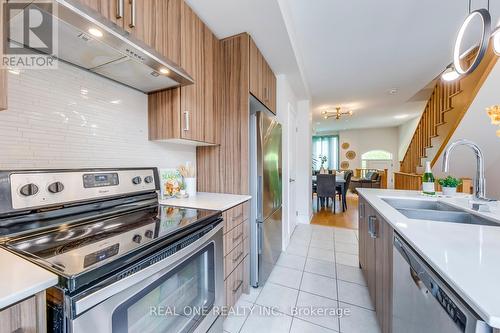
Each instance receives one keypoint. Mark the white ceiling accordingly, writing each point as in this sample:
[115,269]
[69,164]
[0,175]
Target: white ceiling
[350,53]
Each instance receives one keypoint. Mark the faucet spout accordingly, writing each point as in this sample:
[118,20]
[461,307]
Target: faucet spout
[480,181]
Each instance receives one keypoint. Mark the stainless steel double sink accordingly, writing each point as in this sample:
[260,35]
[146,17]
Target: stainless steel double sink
[436,211]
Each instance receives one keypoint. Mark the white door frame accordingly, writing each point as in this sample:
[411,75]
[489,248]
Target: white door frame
[291,171]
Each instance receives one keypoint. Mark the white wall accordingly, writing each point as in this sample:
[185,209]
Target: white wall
[364,140]
[405,134]
[476,126]
[51,124]
[285,99]
[304,161]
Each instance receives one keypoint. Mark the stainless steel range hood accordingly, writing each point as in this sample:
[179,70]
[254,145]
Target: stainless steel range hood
[115,54]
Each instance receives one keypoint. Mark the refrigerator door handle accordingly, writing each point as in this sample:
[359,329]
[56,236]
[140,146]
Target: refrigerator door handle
[259,199]
[259,236]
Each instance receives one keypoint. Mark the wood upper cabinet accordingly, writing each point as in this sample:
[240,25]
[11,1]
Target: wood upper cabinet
[192,60]
[3,72]
[154,22]
[262,79]
[375,257]
[188,113]
[113,10]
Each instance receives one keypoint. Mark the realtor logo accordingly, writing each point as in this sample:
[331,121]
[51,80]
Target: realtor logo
[30,35]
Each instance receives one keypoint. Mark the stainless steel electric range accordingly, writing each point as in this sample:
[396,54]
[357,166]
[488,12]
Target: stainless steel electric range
[125,263]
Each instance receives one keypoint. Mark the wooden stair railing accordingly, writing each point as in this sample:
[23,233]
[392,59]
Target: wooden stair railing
[413,181]
[443,112]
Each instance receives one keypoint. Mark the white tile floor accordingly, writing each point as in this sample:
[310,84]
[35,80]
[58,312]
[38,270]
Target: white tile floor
[316,277]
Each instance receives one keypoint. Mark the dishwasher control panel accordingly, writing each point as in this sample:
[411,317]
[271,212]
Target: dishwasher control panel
[449,306]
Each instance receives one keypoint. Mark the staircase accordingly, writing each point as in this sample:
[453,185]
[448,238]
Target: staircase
[445,109]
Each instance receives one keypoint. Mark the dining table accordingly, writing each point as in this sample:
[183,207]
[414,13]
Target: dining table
[340,181]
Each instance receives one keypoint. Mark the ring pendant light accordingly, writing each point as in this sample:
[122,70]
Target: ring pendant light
[485,17]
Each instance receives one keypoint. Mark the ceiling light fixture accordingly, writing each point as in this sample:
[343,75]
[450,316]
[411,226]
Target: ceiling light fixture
[336,114]
[95,32]
[393,91]
[485,17]
[164,71]
[450,74]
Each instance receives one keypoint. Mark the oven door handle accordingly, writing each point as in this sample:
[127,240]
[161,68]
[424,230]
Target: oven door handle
[87,302]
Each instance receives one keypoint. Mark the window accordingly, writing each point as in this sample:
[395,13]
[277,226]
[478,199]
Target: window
[374,155]
[326,146]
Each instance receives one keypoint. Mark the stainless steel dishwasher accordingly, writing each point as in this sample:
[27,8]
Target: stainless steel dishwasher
[423,303]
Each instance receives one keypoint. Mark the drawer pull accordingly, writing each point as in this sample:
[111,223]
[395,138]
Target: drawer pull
[133,13]
[119,9]
[237,217]
[237,237]
[238,257]
[238,286]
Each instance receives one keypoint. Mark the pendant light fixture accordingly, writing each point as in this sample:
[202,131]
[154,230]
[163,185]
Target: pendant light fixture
[484,15]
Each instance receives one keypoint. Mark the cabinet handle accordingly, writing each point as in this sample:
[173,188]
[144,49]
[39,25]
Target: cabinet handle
[132,16]
[186,121]
[238,286]
[362,210]
[237,237]
[119,9]
[372,230]
[238,257]
[266,97]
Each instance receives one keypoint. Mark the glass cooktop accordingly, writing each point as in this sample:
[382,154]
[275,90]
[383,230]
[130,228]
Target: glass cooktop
[72,249]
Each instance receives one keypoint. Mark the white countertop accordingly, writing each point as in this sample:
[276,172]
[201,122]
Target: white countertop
[205,200]
[466,256]
[21,279]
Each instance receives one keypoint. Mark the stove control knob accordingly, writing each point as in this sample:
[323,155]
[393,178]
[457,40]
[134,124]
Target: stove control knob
[149,234]
[137,239]
[148,179]
[28,190]
[56,187]
[136,180]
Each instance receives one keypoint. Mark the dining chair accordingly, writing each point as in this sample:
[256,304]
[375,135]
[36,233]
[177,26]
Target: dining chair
[343,194]
[325,189]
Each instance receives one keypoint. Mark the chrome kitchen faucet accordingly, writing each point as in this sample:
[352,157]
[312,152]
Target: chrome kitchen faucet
[480,180]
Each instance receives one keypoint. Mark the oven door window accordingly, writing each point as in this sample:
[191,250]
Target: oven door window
[176,302]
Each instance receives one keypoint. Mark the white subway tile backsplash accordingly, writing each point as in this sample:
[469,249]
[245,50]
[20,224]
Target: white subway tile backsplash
[50,124]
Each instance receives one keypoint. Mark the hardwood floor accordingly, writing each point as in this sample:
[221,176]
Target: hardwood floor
[348,219]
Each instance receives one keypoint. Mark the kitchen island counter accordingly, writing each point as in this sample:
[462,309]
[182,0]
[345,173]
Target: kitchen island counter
[466,256]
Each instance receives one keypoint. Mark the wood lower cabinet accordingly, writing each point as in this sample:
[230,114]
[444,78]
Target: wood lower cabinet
[375,258]
[28,316]
[262,79]
[236,250]
[188,113]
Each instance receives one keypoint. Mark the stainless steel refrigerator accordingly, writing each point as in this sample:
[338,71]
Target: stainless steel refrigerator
[266,190]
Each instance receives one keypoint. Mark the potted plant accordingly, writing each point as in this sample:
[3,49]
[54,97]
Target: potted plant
[449,185]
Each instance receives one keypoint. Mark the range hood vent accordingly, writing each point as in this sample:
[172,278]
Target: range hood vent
[113,54]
